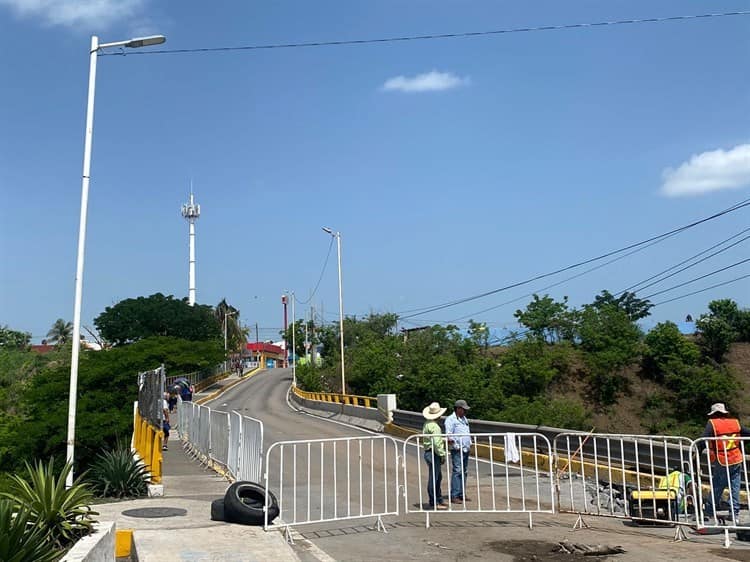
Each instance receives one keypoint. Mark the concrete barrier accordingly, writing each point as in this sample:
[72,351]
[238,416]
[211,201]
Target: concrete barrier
[99,546]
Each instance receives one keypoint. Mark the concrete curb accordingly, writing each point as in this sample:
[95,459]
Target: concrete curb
[99,546]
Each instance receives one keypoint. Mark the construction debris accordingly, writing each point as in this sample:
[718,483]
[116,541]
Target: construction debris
[568,547]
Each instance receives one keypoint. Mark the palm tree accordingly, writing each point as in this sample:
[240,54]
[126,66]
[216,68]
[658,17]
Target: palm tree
[228,317]
[60,333]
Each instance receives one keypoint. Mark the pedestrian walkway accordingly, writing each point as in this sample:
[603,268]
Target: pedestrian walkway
[189,534]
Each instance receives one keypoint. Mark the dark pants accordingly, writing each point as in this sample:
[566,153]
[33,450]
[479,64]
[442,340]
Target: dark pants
[434,477]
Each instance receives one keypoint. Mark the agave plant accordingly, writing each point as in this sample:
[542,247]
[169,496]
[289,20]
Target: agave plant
[20,539]
[117,474]
[64,513]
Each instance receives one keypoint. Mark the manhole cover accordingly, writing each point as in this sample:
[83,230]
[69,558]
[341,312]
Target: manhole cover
[155,512]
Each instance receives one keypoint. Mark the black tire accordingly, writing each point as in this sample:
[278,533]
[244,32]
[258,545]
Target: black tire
[217,510]
[244,501]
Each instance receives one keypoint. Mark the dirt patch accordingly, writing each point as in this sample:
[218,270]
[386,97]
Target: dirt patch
[528,551]
[740,555]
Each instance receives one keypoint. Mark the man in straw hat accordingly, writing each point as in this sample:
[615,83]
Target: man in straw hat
[434,454]
[726,456]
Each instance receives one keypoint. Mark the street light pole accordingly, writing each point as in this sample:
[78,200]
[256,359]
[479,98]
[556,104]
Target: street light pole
[337,235]
[85,178]
[294,342]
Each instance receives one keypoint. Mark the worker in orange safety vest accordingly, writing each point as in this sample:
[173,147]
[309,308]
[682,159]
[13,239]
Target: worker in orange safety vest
[726,456]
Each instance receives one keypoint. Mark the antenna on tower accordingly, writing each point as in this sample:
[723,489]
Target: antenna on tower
[191,211]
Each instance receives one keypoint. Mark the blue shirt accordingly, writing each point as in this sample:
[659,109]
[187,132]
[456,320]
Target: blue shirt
[460,428]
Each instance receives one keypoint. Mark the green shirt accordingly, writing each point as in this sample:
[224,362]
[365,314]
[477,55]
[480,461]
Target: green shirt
[436,440]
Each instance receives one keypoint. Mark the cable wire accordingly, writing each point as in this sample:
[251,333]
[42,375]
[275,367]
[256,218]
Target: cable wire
[697,278]
[426,310]
[461,35]
[704,290]
[639,286]
[322,271]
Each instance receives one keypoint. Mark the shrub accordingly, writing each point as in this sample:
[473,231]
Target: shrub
[117,474]
[62,512]
[20,539]
[665,346]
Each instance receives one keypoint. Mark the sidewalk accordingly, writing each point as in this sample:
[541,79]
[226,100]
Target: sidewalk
[191,535]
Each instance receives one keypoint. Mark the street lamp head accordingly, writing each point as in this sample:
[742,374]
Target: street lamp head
[328,230]
[145,41]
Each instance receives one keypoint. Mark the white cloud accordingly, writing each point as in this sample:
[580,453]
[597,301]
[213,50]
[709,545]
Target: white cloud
[428,82]
[709,171]
[98,14]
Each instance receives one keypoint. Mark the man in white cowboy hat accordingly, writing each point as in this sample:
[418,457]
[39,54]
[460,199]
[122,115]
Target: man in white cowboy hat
[459,440]
[434,454]
[726,456]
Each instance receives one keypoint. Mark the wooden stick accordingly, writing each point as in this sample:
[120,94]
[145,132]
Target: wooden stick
[560,471]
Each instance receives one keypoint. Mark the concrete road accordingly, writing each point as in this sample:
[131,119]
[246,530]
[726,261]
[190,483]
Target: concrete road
[453,535]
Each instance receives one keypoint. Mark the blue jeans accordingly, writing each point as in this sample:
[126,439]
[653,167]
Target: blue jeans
[719,482]
[434,477]
[459,472]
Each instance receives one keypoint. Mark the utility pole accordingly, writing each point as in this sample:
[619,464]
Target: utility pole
[286,347]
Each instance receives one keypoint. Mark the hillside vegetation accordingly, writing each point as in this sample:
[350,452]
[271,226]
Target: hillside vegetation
[570,368]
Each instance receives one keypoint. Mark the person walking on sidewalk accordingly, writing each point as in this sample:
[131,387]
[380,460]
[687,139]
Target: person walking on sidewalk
[434,454]
[726,457]
[459,441]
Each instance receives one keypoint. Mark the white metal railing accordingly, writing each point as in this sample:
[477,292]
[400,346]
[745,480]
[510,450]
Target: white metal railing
[322,480]
[492,483]
[724,486]
[643,477]
[230,439]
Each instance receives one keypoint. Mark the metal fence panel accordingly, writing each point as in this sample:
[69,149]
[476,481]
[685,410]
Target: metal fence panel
[333,479]
[151,396]
[203,443]
[219,429]
[251,450]
[643,477]
[522,483]
[235,444]
[716,494]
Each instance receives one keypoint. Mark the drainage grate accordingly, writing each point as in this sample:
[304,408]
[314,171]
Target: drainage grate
[148,512]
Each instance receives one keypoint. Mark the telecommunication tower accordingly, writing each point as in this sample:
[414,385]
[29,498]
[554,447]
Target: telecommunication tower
[191,211]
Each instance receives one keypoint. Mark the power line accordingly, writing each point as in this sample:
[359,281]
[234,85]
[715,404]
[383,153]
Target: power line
[577,275]
[467,34]
[640,285]
[426,310]
[322,271]
[704,290]
[697,278]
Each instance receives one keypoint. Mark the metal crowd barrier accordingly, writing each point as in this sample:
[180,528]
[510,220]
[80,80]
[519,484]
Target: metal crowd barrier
[323,480]
[229,439]
[710,473]
[495,484]
[646,478]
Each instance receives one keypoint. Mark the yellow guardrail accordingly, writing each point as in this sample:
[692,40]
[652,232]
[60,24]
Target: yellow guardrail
[148,441]
[350,399]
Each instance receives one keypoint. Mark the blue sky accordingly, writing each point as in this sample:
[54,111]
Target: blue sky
[451,167]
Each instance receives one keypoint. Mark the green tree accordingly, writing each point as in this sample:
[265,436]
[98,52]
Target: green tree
[107,386]
[132,320]
[611,341]
[715,336]
[228,318]
[738,319]
[546,319]
[635,308]
[13,339]
[666,347]
[60,333]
